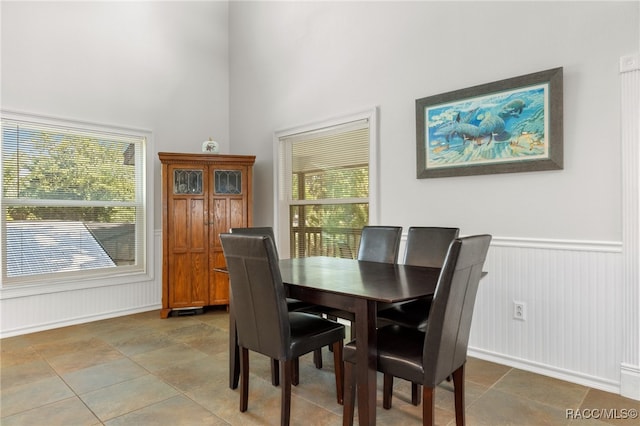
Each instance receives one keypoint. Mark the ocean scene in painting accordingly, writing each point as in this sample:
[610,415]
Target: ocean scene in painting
[503,127]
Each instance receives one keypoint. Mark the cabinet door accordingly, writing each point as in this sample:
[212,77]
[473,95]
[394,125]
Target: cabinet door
[188,235]
[229,207]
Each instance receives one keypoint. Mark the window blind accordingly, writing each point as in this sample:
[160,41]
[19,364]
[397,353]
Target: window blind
[328,185]
[72,199]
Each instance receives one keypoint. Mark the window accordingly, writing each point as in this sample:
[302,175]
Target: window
[73,200]
[326,186]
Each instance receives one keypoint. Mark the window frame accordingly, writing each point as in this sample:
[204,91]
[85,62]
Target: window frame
[22,286]
[282,191]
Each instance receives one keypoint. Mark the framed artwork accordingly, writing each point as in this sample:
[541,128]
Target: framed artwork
[512,125]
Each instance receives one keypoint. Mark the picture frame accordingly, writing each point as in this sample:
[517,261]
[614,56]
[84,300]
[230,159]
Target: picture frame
[507,126]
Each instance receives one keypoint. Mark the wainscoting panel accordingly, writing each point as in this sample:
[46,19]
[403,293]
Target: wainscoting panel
[29,313]
[572,293]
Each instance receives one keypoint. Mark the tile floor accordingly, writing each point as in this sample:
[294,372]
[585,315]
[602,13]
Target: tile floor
[141,370]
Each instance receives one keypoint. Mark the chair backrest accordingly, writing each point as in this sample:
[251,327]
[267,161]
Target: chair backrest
[380,244]
[449,324]
[428,246]
[257,230]
[259,299]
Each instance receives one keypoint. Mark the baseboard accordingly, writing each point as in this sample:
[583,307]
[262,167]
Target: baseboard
[630,381]
[547,370]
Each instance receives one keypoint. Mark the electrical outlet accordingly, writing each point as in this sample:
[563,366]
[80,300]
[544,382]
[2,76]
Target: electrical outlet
[519,311]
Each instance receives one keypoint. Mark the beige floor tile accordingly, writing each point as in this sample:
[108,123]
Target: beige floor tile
[73,332]
[19,374]
[167,324]
[135,342]
[56,347]
[13,355]
[499,408]
[70,411]
[32,394]
[611,408]
[15,343]
[96,352]
[204,337]
[123,398]
[169,356]
[102,375]
[484,373]
[543,389]
[188,375]
[176,411]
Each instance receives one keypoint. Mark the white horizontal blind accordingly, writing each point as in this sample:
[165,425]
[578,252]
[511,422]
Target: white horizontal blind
[72,200]
[328,188]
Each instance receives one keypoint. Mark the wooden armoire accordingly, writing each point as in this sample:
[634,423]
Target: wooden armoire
[203,196]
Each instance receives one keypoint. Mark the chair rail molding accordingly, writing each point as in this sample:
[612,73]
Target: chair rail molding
[630,303]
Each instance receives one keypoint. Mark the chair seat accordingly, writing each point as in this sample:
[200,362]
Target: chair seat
[309,332]
[399,352]
[413,314]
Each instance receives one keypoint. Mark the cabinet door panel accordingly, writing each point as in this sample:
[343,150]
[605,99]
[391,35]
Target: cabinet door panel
[221,223]
[178,223]
[191,286]
[197,226]
[237,215]
[180,295]
[199,279]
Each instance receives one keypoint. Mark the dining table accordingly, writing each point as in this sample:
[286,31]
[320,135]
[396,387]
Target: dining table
[355,286]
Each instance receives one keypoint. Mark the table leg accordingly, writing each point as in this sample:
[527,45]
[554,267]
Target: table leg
[366,360]
[234,353]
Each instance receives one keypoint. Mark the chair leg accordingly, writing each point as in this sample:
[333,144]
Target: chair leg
[285,404]
[339,370]
[427,406]
[349,394]
[275,372]
[317,358]
[458,390]
[416,394]
[244,379]
[387,391]
[295,374]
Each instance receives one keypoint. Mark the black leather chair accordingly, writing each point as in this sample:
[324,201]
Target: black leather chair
[263,322]
[426,246]
[428,357]
[377,244]
[292,304]
[380,244]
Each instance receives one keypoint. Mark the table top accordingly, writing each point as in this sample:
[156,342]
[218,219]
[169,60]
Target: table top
[382,282]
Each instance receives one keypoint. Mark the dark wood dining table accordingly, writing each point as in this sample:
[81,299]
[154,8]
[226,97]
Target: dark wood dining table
[354,286]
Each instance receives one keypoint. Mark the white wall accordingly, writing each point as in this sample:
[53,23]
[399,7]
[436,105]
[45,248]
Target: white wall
[294,63]
[161,66]
[557,234]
